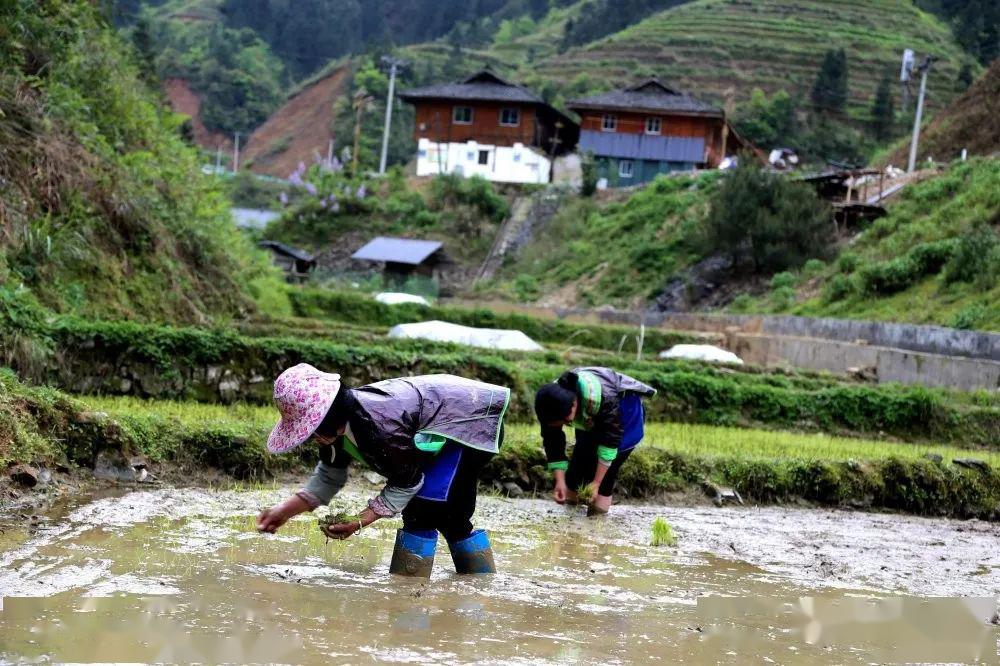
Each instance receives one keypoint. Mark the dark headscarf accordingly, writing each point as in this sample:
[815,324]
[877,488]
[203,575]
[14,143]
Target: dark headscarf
[554,401]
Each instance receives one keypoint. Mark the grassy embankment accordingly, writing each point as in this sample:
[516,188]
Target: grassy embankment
[46,426]
[764,467]
[935,259]
[162,361]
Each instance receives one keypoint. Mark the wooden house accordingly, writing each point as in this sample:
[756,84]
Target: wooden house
[488,126]
[648,129]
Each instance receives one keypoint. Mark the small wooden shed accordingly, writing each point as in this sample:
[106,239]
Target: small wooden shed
[404,258]
[296,263]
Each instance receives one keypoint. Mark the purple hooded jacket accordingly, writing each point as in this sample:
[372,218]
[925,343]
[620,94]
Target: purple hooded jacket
[386,416]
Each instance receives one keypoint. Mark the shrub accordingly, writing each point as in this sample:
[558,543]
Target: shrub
[782,298]
[976,257]
[895,275]
[741,303]
[766,218]
[476,192]
[929,258]
[848,262]
[839,287]
[526,288]
[889,277]
[813,267]
[968,317]
[783,279]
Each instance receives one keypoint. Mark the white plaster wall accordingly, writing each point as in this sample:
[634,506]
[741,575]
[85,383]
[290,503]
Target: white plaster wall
[505,164]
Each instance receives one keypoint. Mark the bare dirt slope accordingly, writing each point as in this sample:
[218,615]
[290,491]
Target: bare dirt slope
[970,122]
[299,130]
[186,101]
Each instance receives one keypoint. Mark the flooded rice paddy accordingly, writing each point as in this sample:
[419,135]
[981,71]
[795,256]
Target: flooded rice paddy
[180,575]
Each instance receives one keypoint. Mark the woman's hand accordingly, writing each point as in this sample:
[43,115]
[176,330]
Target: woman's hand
[341,531]
[271,519]
[561,491]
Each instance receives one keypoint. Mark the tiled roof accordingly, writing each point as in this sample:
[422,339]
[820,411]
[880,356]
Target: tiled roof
[397,250]
[650,95]
[484,86]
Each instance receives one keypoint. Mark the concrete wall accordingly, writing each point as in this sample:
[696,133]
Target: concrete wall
[913,337]
[514,164]
[891,365]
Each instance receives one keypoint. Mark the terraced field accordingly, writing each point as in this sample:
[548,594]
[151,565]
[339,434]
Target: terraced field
[722,49]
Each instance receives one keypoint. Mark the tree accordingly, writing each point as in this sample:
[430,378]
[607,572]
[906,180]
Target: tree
[588,175]
[883,109]
[142,40]
[829,93]
[768,220]
[767,122]
[538,8]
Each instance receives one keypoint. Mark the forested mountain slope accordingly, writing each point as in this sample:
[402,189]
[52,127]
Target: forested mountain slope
[103,208]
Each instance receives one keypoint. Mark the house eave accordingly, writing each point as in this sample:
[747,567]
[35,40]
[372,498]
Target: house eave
[578,107]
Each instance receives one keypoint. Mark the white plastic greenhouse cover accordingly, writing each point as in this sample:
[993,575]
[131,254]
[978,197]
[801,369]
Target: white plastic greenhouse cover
[702,353]
[443,331]
[395,298]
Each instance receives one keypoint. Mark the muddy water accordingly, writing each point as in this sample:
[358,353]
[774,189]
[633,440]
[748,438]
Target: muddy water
[181,576]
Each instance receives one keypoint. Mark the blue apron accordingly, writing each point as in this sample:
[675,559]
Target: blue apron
[633,416]
[440,472]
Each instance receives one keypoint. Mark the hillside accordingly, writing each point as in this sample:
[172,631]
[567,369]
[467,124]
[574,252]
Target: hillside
[103,210]
[970,122]
[723,49]
[619,250]
[298,130]
[185,101]
[935,259]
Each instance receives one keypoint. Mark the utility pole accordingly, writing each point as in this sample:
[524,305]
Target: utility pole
[218,159]
[394,64]
[361,100]
[236,153]
[924,69]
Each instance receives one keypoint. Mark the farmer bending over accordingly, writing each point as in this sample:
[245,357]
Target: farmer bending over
[430,436]
[605,408]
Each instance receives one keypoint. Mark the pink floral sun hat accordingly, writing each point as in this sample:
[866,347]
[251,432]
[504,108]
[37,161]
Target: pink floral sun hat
[303,395]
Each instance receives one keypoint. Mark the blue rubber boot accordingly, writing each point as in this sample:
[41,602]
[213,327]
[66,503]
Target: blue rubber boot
[413,554]
[473,554]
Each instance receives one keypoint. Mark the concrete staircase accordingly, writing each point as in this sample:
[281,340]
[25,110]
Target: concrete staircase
[528,214]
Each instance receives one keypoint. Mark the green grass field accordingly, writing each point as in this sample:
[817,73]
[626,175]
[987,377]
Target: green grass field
[701,441]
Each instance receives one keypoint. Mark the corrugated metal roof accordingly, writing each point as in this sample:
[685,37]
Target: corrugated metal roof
[643,146]
[397,250]
[650,95]
[484,86]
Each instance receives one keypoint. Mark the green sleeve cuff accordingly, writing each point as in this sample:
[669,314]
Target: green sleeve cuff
[562,464]
[606,453]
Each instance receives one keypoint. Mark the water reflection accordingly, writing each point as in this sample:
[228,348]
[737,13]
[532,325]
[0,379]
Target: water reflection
[181,578]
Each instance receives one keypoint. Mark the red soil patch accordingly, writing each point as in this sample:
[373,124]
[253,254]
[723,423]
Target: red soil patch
[299,130]
[186,101]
